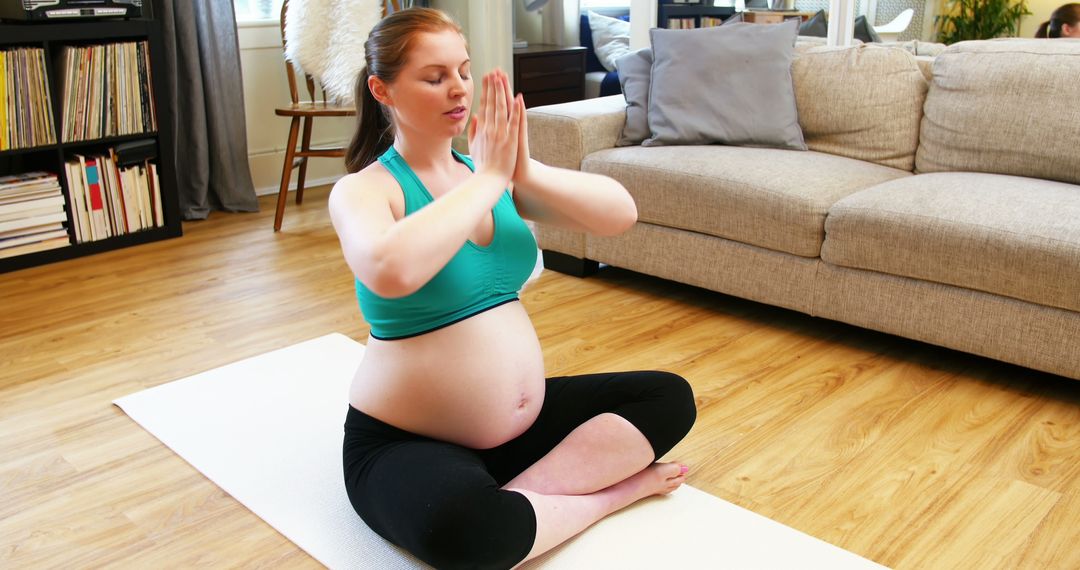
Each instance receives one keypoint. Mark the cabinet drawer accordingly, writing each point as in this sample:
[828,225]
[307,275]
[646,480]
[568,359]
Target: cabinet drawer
[550,72]
[537,98]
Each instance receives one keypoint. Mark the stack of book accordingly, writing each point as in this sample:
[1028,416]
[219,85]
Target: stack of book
[109,198]
[681,23]
[107,91]
[31,214]
[26,119]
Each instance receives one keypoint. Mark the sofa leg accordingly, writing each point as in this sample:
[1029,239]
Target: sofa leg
[569,264]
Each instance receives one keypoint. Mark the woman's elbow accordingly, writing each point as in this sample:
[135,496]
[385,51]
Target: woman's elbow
[389,285]
[385,277]
[622,216]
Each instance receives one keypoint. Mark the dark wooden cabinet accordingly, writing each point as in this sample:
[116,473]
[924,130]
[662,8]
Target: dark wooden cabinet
[549,74]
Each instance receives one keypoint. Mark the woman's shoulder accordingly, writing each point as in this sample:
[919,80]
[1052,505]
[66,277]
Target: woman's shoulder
[372,182]
[371,178]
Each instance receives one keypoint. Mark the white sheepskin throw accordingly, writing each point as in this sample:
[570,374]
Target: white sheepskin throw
[325,39]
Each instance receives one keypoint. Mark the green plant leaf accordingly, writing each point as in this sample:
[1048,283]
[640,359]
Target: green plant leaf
[980,19]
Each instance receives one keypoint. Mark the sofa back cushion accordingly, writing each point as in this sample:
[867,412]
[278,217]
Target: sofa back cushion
[863,102]
[1007,106]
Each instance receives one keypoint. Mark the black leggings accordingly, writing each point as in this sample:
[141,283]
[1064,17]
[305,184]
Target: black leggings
[443,503]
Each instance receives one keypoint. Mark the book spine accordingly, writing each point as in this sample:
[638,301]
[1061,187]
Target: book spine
[107,193]
[144,88]
[73,203]
[159,214]
[97,207]
[47,90]
[3,100]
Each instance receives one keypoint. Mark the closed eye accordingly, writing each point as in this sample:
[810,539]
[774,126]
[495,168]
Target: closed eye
[439,80]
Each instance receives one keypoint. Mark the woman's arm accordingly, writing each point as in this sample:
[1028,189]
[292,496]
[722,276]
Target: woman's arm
[396,258]
[570,199]
[580,201]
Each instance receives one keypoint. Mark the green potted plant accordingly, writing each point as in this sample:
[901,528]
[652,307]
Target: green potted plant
[980,19]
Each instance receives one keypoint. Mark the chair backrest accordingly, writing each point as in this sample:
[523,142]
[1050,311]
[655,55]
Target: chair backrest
[389,7]
[290,72]
[899,24]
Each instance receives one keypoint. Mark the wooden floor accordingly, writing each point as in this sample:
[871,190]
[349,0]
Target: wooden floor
[910,455]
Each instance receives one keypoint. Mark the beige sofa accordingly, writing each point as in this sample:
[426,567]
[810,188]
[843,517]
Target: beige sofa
[945,211]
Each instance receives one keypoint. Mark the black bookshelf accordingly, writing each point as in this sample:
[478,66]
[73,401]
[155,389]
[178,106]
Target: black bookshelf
[666,10]
[52,37]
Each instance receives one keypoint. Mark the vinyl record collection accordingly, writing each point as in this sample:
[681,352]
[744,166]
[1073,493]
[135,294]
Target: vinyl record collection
[107,91]
[26,118]
[86,160]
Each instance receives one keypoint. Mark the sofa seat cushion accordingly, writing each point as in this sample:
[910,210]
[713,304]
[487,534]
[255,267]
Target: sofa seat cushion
[776,199]
[1008,235]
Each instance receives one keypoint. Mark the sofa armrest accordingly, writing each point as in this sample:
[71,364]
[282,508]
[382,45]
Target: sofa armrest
[563,135]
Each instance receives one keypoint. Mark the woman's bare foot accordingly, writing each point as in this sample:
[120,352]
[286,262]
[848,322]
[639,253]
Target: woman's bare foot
[656,479]
[558,517]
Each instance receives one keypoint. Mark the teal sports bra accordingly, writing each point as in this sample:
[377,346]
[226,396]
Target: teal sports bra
[476,279]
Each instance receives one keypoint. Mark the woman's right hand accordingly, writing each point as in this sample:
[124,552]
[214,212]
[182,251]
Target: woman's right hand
[493,131]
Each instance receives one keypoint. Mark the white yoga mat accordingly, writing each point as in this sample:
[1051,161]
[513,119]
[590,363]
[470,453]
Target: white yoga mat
[268,431]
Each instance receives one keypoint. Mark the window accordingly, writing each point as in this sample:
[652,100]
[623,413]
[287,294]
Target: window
[604,4]
[249,10]
[256,10]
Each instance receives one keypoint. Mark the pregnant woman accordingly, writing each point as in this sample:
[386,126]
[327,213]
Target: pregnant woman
[457,448]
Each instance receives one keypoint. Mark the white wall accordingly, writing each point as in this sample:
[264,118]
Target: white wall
[642,18]
[1040,12]
[530,25]
[266,87]
[488,27]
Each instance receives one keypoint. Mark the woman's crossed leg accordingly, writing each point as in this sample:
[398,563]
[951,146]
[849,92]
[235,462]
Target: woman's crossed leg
[589,454]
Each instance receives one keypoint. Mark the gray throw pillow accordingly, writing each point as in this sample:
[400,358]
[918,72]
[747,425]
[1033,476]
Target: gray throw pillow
[864,31]
[736,19]
[725,84]
[817,26]
[635,70]
[635,73]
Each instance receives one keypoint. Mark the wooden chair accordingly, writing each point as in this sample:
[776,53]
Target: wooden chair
[308,110]
[891,31]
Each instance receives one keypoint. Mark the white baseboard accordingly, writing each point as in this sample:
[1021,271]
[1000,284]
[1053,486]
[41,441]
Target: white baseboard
[309,183]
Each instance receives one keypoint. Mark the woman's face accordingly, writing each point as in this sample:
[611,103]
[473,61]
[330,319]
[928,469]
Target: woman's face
[434,92]
[1068,31]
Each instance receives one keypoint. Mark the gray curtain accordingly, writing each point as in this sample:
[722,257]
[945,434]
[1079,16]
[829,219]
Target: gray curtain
[206,103]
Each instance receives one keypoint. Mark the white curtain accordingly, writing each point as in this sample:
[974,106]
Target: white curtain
[561,22]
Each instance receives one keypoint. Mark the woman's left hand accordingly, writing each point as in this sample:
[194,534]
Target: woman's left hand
[522,167]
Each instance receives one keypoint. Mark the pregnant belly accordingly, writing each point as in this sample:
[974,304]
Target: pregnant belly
[477,383]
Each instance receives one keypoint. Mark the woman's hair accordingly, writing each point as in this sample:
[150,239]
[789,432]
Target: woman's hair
[1066,14]
[385,52]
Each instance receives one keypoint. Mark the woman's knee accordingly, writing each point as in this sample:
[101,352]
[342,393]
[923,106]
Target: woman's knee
[680,405]
[665,411]
[484,528]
